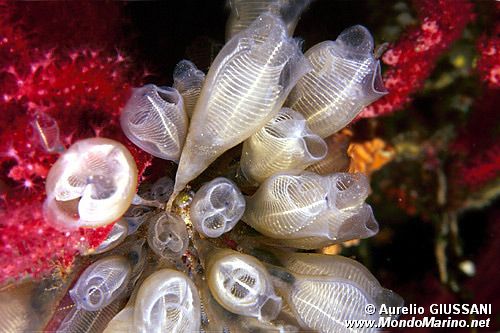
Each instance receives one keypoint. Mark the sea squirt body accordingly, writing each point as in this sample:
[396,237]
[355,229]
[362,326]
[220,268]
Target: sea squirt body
[188,80]
[154,119]
[340,267]
[115,237]
[216,208]
[244,88]
[284,143]
[101,283]
[91,184]
[167,235]
[167,301]
[306,210]
[345,78]
[326,291]
[242,285]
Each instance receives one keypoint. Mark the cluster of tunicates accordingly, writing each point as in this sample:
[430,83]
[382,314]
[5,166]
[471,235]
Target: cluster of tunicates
[177,259]
[309,211]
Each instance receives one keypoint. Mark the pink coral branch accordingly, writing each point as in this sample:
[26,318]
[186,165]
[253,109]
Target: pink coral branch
[488,64]
[412,58]
[83,90]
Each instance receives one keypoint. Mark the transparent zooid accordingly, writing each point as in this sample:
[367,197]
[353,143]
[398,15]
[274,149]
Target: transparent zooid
[167,235]
[244,12]
[91,184]
[345,78]
[322,292]
[46,131]
[136,215]
[101,283]
[337,159]
[216,207]
[188,80]
[167,301]
[241,284]
[115,237]
[340,267]
[264,64]
[154,119]
[156,194]
[82,320]
[284,143]
[306,210]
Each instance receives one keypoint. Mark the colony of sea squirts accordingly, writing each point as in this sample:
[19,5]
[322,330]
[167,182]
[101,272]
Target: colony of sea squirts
[166,265]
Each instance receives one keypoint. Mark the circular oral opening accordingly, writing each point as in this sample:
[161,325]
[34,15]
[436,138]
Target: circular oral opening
[270,309]
[221,196]
[377,83]
[316,147]
[168,94]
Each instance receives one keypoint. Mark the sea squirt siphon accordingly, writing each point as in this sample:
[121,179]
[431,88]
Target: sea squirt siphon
[244,12]
[284,143]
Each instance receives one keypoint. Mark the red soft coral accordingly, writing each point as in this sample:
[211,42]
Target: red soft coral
[412,58]
[83,89]
[488,64]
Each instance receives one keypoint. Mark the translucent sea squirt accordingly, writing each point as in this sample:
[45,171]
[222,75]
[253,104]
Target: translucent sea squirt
[244,12]
[216,208]
[345,78]
[101,283]
[342,268]
[306,210]
[167,235]
[90,185]
[324,291]
[154,119]
[46,131]
[284,143]
[241,284]
[245,87]
[167,301]
[188,80]
[116,236]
